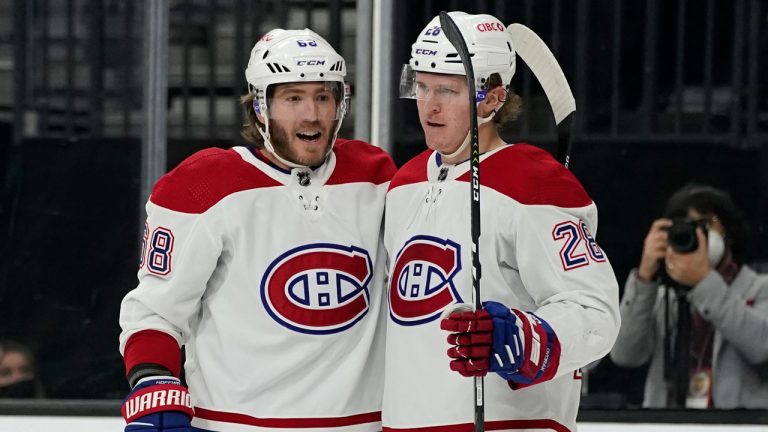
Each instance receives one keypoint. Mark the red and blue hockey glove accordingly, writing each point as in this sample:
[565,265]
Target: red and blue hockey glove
[470,339]
[158,404]
[519,346]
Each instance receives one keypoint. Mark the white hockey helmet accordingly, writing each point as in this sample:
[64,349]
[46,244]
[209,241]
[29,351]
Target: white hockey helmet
[289,56]
[489,45]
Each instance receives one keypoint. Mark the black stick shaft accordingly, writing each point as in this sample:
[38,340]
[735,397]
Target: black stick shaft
[453,34]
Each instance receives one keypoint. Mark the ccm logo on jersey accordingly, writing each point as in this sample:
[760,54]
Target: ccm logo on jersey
[318,288]
[421,284]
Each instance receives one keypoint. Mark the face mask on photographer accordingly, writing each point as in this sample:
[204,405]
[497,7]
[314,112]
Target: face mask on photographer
[715,239]
[715,247]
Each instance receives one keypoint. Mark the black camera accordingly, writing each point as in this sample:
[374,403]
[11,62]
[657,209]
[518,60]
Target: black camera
[681,236]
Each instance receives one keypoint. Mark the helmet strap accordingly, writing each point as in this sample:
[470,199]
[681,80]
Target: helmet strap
[463,146]
[270,148]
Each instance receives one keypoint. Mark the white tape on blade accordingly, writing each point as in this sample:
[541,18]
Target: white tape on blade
[545,67]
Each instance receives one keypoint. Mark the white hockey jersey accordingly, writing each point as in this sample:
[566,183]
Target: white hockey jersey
[273,279]
[537,254]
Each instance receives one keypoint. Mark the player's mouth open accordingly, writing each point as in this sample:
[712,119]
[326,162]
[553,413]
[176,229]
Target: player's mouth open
[308,135]
[433,124]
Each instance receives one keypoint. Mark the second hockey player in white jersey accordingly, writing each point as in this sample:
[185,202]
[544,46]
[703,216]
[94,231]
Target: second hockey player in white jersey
[264,262]
[550,296]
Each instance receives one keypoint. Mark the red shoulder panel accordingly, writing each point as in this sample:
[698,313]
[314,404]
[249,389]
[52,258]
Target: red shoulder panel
[531,176]
[205,178]
[360,162]
[414,171]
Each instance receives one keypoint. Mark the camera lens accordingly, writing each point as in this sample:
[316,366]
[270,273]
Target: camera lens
[681,236]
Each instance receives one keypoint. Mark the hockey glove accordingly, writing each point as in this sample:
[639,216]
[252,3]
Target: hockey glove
[517,345]
[470,339]
[158,404]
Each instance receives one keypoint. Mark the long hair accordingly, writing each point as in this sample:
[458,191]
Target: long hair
[709,200]
[513,106]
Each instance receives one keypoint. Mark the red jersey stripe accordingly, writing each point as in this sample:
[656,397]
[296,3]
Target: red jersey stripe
[227,417]
[155,347]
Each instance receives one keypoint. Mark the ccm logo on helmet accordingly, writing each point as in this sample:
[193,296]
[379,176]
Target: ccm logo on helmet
[426,51]
[421,285]
[312,62]
[318,288]
[492,26]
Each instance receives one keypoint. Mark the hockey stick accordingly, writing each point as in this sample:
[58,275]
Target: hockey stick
[545,67]
[454,36]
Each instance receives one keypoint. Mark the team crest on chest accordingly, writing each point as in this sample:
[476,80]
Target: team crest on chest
[318,288]
[421,284]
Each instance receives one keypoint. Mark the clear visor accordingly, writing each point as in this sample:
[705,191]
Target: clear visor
[310,101]
[413,88]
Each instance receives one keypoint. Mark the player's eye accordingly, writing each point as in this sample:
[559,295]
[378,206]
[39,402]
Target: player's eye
[323,97]
[421,89]
[294,98]
[445,91]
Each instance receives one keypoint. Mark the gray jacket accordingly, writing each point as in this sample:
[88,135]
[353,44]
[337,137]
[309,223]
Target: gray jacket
[739,314]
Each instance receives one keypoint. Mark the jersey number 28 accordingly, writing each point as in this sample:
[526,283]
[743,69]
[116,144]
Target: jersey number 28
[574,235]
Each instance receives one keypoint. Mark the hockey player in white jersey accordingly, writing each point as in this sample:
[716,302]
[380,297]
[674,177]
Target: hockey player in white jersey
[549,293]
[263,261]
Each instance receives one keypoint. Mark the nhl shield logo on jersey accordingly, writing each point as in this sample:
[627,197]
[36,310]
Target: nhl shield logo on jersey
[318,288]
[421,283]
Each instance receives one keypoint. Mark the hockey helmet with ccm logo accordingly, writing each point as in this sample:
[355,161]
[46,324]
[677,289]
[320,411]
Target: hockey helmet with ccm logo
[490,47]
[294,56]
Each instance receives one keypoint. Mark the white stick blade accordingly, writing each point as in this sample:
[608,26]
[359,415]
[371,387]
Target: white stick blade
[545,67]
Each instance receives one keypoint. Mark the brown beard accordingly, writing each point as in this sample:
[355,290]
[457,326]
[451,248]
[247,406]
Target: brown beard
[280,142]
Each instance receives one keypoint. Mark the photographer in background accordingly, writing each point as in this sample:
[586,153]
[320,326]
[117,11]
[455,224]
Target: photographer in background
[698,247]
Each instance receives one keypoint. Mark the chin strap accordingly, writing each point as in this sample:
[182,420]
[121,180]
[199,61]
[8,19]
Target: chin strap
[268,146]
[463,146]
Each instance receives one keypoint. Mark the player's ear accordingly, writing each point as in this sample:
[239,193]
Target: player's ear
[495,96]
[257,110]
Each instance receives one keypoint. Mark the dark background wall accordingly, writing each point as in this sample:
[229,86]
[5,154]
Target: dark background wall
[660,104]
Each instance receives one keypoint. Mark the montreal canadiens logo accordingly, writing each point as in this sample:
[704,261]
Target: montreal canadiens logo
[421,284]
[318,288]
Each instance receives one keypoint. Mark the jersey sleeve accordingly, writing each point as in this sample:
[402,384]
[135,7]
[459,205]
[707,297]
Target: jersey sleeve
[569,278]
[179,255]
